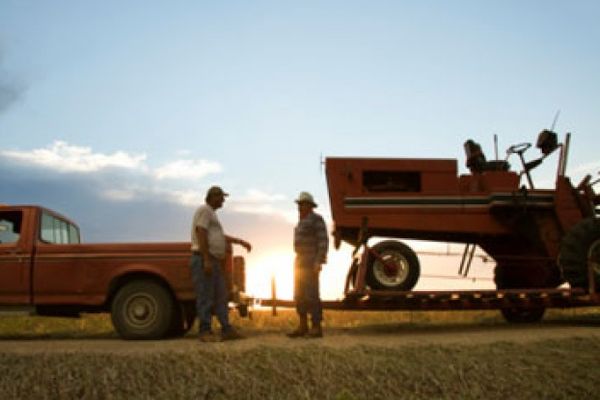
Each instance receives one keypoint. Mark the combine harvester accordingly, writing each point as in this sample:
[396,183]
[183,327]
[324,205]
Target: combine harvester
[539,238]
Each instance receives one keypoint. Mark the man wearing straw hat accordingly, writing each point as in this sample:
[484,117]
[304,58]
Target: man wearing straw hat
[310,244]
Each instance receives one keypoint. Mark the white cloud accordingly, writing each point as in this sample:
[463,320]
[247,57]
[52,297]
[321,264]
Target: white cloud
[256,201]
[258,196]
[148,183]
[63,157]
[189,198]
[187,169]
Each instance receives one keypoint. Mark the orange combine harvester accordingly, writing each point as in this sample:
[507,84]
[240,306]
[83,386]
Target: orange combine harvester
[538,238]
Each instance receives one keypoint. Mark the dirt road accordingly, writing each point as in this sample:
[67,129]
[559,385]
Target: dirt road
[391,336]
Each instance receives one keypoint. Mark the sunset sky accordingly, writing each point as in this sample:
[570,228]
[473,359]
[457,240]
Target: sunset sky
[121,114]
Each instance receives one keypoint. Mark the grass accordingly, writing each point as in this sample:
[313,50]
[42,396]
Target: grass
[549,369]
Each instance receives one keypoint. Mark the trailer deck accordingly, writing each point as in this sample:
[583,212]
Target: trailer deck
[454,300]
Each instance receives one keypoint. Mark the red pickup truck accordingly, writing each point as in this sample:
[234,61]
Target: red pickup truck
[46,270]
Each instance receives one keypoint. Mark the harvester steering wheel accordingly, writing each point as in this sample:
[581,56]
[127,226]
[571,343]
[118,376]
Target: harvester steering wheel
[518,148]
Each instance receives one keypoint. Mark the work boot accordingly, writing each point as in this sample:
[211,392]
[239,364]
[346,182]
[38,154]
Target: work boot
[302,328]
[231,334]
[207,337]
[315,331]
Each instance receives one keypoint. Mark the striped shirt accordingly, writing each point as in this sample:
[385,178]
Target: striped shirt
[310,239]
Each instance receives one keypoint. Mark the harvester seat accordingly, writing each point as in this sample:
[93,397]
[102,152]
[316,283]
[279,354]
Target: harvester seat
[476,161]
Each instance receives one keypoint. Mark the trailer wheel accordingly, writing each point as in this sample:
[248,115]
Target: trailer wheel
[520,315]
[143,309]
[397,267]
[580,244]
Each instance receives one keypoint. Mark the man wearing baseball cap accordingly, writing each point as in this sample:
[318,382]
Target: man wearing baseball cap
[310,244]
[209,247]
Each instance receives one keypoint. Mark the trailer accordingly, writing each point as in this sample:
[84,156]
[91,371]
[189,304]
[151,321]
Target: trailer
[540,239]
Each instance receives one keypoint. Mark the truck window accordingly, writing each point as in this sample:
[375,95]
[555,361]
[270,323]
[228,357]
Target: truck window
[10,226]
[392,181]
[58,231]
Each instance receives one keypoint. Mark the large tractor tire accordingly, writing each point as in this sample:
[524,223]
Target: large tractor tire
[580,244]
[526,276]
[143,309]
[397,268]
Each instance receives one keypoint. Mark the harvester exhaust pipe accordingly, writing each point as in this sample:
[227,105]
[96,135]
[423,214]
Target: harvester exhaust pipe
[564,155]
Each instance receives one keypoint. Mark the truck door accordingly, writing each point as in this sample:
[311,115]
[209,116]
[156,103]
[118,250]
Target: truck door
[15,258]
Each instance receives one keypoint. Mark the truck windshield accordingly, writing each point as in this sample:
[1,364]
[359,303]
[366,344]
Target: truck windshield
[58,231]
[10,226]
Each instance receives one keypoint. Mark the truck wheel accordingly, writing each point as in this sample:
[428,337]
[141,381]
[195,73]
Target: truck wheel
[581,243]
[522,315]
[397,268]
[143,310]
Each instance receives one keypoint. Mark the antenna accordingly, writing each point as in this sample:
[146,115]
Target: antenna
[555,119]
[321,163]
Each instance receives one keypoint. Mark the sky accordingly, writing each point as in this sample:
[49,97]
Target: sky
[120,115]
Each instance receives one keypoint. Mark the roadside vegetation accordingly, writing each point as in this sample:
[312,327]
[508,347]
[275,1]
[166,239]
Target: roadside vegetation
[548,369]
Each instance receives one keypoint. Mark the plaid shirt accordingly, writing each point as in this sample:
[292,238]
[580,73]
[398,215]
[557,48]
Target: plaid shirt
[310,239]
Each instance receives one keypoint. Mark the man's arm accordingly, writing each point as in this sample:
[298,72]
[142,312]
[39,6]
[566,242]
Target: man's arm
[322,242]
[202,235]
[243,243]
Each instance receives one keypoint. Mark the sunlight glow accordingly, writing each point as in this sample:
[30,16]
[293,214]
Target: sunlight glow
[278,264]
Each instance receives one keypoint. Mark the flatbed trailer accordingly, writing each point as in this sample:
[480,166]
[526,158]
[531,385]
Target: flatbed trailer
[455,300]
[516,305]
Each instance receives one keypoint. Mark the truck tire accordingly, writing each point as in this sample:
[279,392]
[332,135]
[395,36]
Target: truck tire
[400,271]
[143,309]
[581,243]
[522,315]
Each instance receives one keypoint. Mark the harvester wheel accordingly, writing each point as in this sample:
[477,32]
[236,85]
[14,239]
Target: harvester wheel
[522,315]
[396,267]
[580,244]
[519,276]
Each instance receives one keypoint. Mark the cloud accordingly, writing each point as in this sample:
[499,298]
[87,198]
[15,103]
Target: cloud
[187,169]
[121,177]
[256,201]
[10,92]
[63,157]
[10,89]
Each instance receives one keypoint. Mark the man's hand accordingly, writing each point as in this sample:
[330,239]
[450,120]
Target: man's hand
[246,245]
[207,266]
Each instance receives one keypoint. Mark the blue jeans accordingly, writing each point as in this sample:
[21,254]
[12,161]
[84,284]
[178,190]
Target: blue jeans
[211,293]
[306,291]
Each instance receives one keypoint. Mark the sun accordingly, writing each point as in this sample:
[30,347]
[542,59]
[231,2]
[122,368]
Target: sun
[260,272]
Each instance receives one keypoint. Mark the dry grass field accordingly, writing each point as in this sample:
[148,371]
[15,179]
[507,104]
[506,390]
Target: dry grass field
[365,355]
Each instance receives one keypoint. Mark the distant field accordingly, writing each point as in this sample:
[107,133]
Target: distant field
[270,366]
